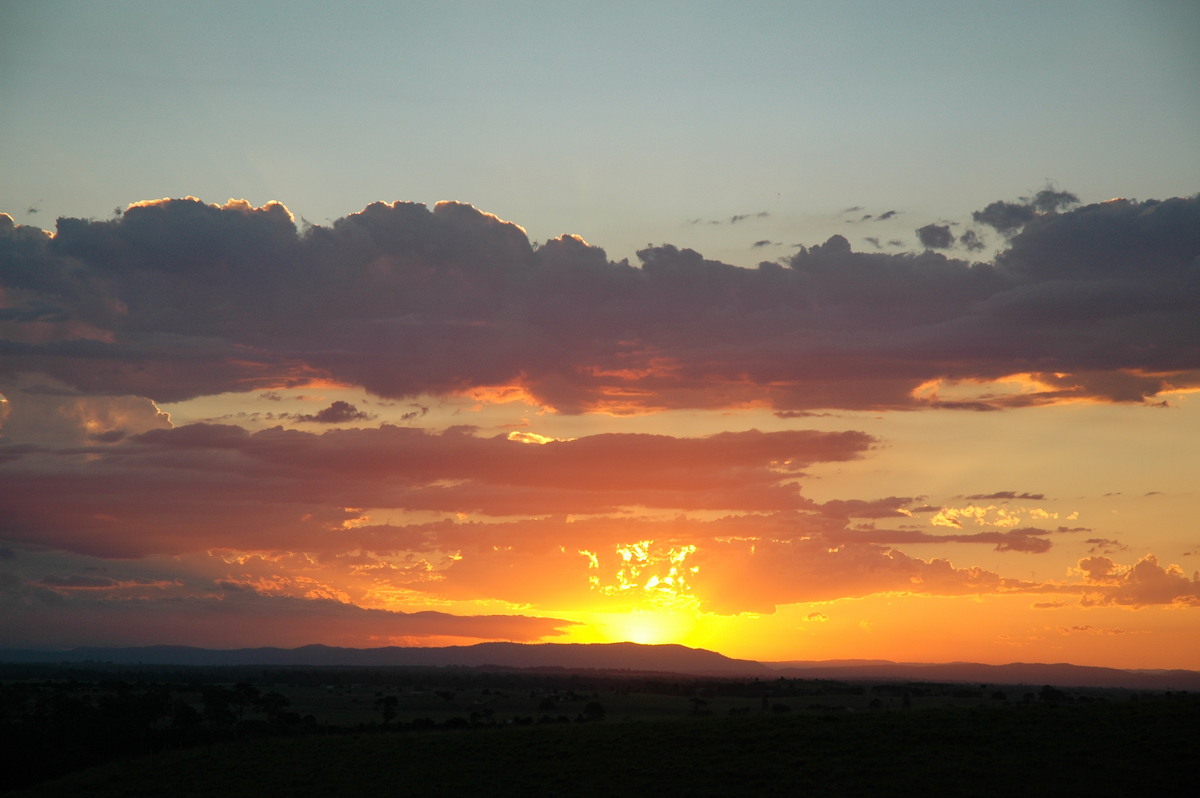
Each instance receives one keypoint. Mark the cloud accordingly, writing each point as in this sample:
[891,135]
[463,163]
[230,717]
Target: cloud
[207,485]
[934,236]
[1088,629]
[1005,217]
[1030,540]
[178,299]
[1105,546]
[228,615]
[735,219]
[743,576]
[337,413]
[1142,584]
[1009,217]
[971,240]
[1005,494]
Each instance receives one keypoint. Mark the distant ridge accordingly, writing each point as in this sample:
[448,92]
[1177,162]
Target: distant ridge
[578,656]
[670,658]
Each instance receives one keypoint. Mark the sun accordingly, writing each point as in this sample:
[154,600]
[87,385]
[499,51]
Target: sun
[650,625]
[643,626]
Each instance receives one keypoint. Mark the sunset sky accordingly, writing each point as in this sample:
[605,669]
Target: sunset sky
[790,330]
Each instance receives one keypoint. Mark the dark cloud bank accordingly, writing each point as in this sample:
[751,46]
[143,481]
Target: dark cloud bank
[177,299]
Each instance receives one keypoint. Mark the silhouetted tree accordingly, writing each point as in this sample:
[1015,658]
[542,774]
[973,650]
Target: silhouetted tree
[387,707]
[273,706]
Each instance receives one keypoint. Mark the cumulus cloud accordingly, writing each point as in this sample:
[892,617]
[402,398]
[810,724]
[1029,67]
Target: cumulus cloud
[1142,584]
[178,299]
[1009,217]
[338,412]
[935,236]
[1005,217]
[971,240]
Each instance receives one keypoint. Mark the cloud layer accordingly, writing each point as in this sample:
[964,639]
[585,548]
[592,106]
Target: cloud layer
[339,519]
[178,299]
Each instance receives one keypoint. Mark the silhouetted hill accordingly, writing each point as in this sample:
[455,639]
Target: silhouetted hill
[622,656]
[603,656]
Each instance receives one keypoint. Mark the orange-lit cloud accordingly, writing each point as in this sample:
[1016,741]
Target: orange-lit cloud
[1142,584]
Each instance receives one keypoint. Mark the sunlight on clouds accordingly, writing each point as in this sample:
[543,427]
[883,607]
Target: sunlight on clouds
[641,568]
[1011,389]
[993,515]
[359,519]
[533,438]
[485,395]
[238,205]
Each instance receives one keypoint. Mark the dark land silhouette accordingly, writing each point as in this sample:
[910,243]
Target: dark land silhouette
[618,656]
[101,728]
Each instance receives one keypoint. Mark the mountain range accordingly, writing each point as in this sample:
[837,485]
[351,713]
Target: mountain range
[633,657]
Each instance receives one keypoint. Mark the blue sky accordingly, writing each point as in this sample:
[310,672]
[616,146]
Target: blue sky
[620,122]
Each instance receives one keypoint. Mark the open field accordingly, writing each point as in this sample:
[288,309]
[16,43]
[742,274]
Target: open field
[457,731]
[1101,750]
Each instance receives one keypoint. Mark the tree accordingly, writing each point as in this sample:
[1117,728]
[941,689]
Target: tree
[387,707]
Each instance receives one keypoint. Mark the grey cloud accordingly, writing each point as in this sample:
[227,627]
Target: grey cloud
[1105,546]
[1009,217]
[735,219]
[744,216]
[971,240]
[337,413]
[180,299]
[1005,217]
[935,236]
[1048,200]
[239,616]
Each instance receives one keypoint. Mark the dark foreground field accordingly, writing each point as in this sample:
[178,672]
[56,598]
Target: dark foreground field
[1142,747]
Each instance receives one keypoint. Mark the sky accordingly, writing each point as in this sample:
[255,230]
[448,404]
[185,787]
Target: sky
[794,331]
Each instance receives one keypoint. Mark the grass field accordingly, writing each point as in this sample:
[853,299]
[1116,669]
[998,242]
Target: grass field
[1146,748]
